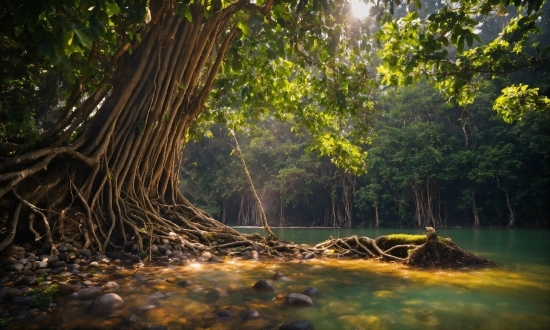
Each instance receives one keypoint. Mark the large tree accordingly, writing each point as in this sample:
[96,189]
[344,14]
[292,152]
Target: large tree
[136,75]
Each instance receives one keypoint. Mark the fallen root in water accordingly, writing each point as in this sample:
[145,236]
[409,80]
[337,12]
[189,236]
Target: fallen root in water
[412,250]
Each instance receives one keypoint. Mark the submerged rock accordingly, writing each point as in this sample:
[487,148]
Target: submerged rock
[186,283]
[224,315]
[250,314]
[264,286]
[278,275]
[298,299]
[67,289]
[311,291]
[107,303]
[297,325]
[215,259]
[87,293]
[111,286]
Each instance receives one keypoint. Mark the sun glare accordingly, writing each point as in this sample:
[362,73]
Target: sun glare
[360,9]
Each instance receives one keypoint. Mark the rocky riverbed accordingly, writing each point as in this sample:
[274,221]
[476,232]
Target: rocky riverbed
[80,289]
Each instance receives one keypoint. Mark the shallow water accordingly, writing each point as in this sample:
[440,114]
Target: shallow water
[355,294]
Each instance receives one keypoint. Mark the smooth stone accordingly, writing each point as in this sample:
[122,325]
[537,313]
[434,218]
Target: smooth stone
[59,264]
[5,279]
[42,264]
[311,291]
[246,254]
[161,249]
[87,293]
[62,248]
[224,314]
[165,241]
[9,260]
[63,256]
[177,254]
[250,314]
[10,293]
[86,252]
[264,285]
[215,259]
[94,264]
[155,250]
[185,263]
[206,255]
[111,286]
[42,271]
[28,272]
[168,247]
[297,325]
[52,259]
[24,299]
[278,275]
[254,254]
[310,255]
[298,299]
[67,289]
[16,267]
[24,261]
[26,280]
[107,304]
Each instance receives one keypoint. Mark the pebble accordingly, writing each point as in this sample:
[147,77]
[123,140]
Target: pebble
[254,254]
[206,255]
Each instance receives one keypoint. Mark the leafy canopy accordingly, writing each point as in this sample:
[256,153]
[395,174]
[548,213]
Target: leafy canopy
[309,62]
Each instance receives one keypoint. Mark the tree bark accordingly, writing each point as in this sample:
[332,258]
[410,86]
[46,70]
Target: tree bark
[122,170]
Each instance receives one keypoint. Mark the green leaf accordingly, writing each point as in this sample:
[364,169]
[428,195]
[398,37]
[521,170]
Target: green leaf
[84,40]
[244,28]
[112,8]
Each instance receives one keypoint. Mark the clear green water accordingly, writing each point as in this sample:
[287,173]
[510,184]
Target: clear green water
[355,294]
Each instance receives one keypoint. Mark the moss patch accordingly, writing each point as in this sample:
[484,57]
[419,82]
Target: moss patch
[406,239]
[46,295]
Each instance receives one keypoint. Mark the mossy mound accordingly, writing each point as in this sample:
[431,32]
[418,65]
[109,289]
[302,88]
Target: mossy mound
[438,254]
[389,241]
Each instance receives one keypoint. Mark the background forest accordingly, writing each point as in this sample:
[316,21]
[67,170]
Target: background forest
[430,161]
[429,164]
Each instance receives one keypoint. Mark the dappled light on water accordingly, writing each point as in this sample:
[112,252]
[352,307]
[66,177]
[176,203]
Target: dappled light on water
[354,294]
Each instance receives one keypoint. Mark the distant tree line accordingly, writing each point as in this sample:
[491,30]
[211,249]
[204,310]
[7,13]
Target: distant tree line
[429,164]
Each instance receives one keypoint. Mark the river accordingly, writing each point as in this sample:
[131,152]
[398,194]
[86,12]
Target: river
[354,294]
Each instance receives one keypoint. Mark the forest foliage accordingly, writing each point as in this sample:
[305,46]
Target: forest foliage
[98,99]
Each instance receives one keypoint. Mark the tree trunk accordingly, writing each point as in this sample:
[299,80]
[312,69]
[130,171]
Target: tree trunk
[474,208]
[376,219]
[122,170]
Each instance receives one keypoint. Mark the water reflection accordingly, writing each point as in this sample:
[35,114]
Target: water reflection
[355,294]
